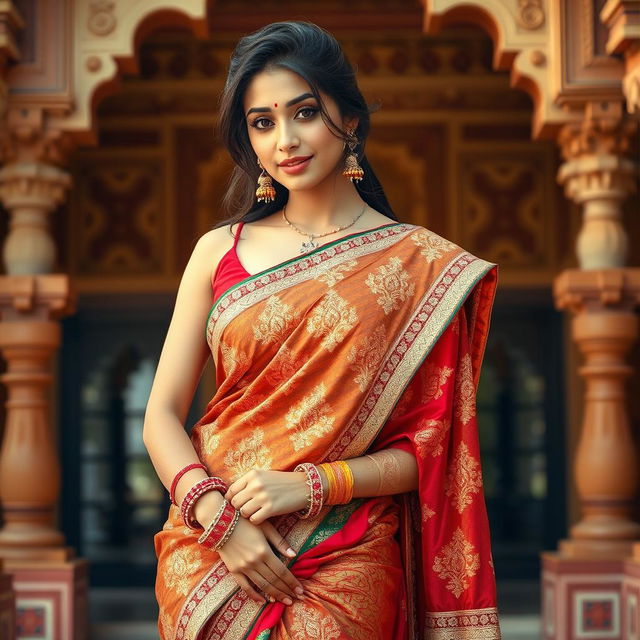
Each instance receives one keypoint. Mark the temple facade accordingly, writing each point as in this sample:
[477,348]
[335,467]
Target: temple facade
[508,126]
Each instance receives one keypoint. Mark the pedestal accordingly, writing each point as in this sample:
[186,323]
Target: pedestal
[51,597]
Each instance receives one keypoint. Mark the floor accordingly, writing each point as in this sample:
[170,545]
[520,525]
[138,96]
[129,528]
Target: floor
[128,614]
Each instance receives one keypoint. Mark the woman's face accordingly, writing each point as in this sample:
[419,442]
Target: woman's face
[284,122]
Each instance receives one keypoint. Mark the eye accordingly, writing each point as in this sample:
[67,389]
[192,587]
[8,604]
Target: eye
[310,110]
[255,124]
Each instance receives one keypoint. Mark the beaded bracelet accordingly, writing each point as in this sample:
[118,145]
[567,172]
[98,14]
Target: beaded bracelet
[198,490]
[316,492]
[176,479]
[221,528]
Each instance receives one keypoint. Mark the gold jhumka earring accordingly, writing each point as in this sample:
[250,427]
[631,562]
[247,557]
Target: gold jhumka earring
[352,169]
[265,191]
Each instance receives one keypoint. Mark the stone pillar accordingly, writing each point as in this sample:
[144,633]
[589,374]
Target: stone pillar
[582,582]
[50,583]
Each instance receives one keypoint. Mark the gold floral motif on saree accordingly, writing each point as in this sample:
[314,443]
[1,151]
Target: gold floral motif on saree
[464,480]
[181,564]
[456,563]
[312,624]
[274,322]
[365,358]
[310,419]
[435,378]
[392,284]
[234,363]
[465,391]
[430,436]
[427,512]
[166,623]
[282,370]
[335,274]
[332,318]
[432,246]
[209,438]
[250,453]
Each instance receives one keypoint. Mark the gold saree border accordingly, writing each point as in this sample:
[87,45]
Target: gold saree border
[470,624]
[298,270]
[423,329]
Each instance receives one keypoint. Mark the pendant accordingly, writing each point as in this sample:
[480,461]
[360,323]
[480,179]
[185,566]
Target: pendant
[308,246]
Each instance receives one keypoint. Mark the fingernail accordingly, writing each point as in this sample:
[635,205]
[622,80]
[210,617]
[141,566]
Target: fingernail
[272,599]
[288,601]
[299,590]
[291,552]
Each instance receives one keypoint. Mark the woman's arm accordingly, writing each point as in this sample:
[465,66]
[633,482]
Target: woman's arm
[262,494]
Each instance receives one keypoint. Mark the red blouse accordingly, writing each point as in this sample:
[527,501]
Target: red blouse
[229,270]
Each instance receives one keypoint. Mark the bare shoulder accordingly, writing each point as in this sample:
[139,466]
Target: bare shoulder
[212,245]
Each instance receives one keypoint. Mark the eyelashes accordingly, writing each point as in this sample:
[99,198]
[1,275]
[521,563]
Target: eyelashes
[312,112]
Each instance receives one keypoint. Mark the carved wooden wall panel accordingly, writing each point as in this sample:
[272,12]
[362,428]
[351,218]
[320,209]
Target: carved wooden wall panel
[451,144]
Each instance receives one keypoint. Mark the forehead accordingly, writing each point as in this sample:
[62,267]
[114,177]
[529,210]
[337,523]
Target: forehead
[273,86]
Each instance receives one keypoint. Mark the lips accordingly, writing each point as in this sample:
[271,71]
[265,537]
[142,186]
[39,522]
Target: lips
[292,162]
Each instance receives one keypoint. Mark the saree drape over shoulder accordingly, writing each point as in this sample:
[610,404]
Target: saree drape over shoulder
[369,342]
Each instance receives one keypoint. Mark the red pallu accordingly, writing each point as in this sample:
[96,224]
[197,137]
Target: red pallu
[370,342]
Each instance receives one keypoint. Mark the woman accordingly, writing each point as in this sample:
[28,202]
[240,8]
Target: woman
[332,488]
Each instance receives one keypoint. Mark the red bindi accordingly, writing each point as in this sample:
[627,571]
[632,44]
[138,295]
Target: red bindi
[275,104]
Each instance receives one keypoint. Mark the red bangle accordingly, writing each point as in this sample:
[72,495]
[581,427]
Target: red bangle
[198,490]
[221,528]
[316,493]
[174,484]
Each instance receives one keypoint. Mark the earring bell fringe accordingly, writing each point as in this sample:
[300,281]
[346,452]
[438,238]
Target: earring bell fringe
[352,169]
[265,191]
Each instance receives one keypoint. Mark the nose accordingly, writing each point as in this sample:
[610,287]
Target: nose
[287,138]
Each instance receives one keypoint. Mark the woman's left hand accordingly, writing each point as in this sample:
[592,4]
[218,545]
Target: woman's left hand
[261,494]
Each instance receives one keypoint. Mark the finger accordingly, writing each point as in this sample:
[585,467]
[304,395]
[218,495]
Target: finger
[241,498]
[277,540]
[245,585]
[283,578]
[269,588]
[235,487]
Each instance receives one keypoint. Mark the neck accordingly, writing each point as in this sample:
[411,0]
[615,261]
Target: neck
[331,204]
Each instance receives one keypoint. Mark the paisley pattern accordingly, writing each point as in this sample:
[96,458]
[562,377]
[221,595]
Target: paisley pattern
[465,391]
[464,479]
[432,246]
[456,563]
[183,561]
[430,436]
[365,358]
[251,453]
[274,321]
[332,320]
[311,624]
[435,377]
[310,419]
[392,284]
[332,276]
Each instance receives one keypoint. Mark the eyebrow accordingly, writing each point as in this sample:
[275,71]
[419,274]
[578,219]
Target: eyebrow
[304,96]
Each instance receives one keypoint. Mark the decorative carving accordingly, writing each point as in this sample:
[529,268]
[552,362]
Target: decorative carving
[102,19]
[30,191]
[538,58]
[94,63]
[604,328]
[530,14]
[598,176]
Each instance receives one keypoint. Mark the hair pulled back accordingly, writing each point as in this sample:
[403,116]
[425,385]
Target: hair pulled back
[316,56]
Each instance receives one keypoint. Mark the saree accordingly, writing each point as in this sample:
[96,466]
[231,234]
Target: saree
[369,342]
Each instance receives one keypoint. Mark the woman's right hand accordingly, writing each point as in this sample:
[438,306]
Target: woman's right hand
[251,561]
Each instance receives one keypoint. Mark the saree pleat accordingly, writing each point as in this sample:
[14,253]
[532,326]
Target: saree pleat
[370,342]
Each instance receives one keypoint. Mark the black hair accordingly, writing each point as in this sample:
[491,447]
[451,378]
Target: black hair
[316,56]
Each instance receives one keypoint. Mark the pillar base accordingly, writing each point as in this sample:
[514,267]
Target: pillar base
[7,606]
[51,598]
[582,598]
[595,549]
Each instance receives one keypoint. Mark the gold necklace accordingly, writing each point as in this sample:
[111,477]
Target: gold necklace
[310,244]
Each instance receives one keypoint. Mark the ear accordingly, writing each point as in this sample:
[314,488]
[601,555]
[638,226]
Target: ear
[350,124]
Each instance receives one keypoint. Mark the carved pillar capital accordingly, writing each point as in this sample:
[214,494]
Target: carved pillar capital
[597,175]
[30,191]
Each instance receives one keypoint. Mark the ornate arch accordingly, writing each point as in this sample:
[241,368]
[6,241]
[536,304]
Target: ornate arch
[529,38]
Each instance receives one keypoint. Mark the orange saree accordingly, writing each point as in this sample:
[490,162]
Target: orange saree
[369,342]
